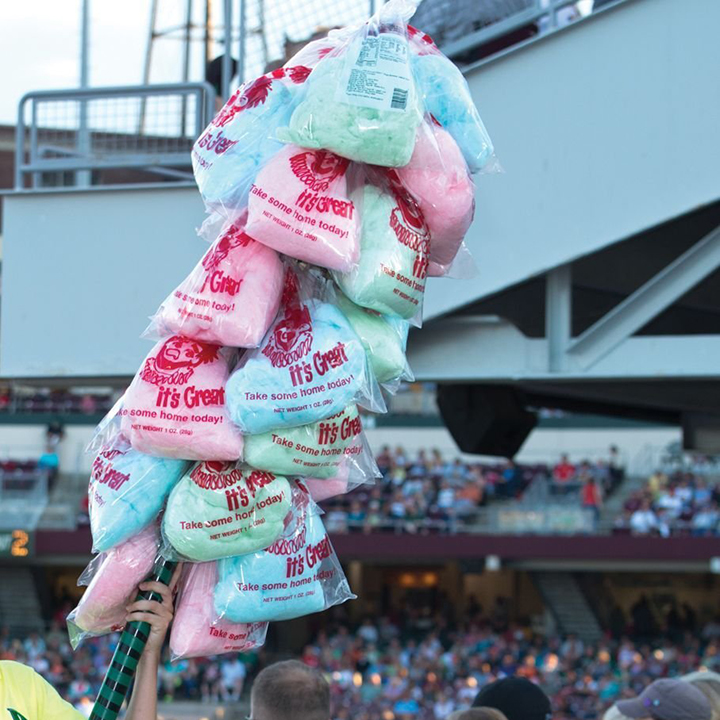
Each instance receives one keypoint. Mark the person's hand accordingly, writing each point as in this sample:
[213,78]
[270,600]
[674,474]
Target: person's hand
[157,614]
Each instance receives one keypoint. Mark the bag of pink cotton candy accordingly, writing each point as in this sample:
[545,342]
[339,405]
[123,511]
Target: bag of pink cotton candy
[112,579]
[230,298]
[175,405]
[344,481]
[197,630]
[438,179]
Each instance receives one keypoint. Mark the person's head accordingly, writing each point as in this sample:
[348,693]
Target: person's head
[517,698]
[709,684]
[477,714]
[290,690]
[667,700]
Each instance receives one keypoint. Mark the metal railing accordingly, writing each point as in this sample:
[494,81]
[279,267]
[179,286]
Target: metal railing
[64,136]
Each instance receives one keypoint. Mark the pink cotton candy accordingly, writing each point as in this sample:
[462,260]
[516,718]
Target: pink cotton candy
[299,206]
[196,629]
[231,296]
[438,178]
[321,489]
[102,607]
[175,406]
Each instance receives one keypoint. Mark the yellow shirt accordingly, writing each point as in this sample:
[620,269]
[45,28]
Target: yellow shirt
[24,695]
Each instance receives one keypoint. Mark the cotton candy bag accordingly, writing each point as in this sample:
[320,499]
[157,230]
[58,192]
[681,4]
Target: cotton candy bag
[231,296]
[360,100]
[311,365]
[394,247]
[384,339]
[175,405]
[297,575]
[113,580]
[318,449]
[196,631]
[446,95]
[219,509]
[299,206]
[127,492]
[438,180]
[241,139]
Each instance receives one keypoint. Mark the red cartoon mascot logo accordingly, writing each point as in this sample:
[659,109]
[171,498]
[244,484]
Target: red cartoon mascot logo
[291,339]
[318,168]
[177,360]
[233,238]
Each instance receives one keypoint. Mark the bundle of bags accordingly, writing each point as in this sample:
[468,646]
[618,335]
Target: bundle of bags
[336,186]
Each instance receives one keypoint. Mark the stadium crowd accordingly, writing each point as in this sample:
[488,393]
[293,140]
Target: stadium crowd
[679,503]
[415,666]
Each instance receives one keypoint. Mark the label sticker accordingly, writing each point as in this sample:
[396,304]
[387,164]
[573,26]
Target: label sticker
[377,74]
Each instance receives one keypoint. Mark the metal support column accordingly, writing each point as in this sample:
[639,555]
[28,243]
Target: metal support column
[241,44]
[82,178]
[227,50]
[558,315]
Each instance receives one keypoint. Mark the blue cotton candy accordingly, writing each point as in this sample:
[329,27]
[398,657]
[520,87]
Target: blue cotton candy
[239,141]
[446,95]
[297,575]
[311,365]
[127,491]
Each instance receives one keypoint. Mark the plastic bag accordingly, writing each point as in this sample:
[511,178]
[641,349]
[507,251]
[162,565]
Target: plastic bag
[318,449]
[229,299]
[297,575]
[384,339]
[127,492]
[311,365]
[219,509]
[196,630]
[446,95]
[113,579]
[175,405]
[438,179]
[346,480]
[241,139]
[299,206]
[394,247]
[360,100]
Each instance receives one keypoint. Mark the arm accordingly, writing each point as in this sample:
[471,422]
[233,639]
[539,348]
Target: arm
[143,704]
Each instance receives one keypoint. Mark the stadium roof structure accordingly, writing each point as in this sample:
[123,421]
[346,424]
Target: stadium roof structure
[598,247]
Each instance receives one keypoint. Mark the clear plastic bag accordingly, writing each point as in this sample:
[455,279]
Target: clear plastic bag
[446,95]
[196,630]
[219,509]
[230,298]
[299,205]
[360,100]
[241,139]
[394,247]
[438,180]
[345,481]
[384,339]
[318,449]
[297,575]
[311,364]
[175,405]
[112,580]
[127,491]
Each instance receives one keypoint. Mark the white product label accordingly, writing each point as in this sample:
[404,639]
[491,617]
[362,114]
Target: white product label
[377,74]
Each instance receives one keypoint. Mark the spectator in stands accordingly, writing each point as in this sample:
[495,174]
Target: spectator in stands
[563,474]
[592,498]
[643,521]
[290,690]
[233,674]
[668,699]
[517,698]
[25,694]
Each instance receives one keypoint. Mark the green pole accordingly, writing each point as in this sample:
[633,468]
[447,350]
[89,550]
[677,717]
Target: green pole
[116,685]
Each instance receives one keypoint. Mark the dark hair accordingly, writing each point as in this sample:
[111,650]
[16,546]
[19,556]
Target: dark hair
[290,690]
[477,714]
